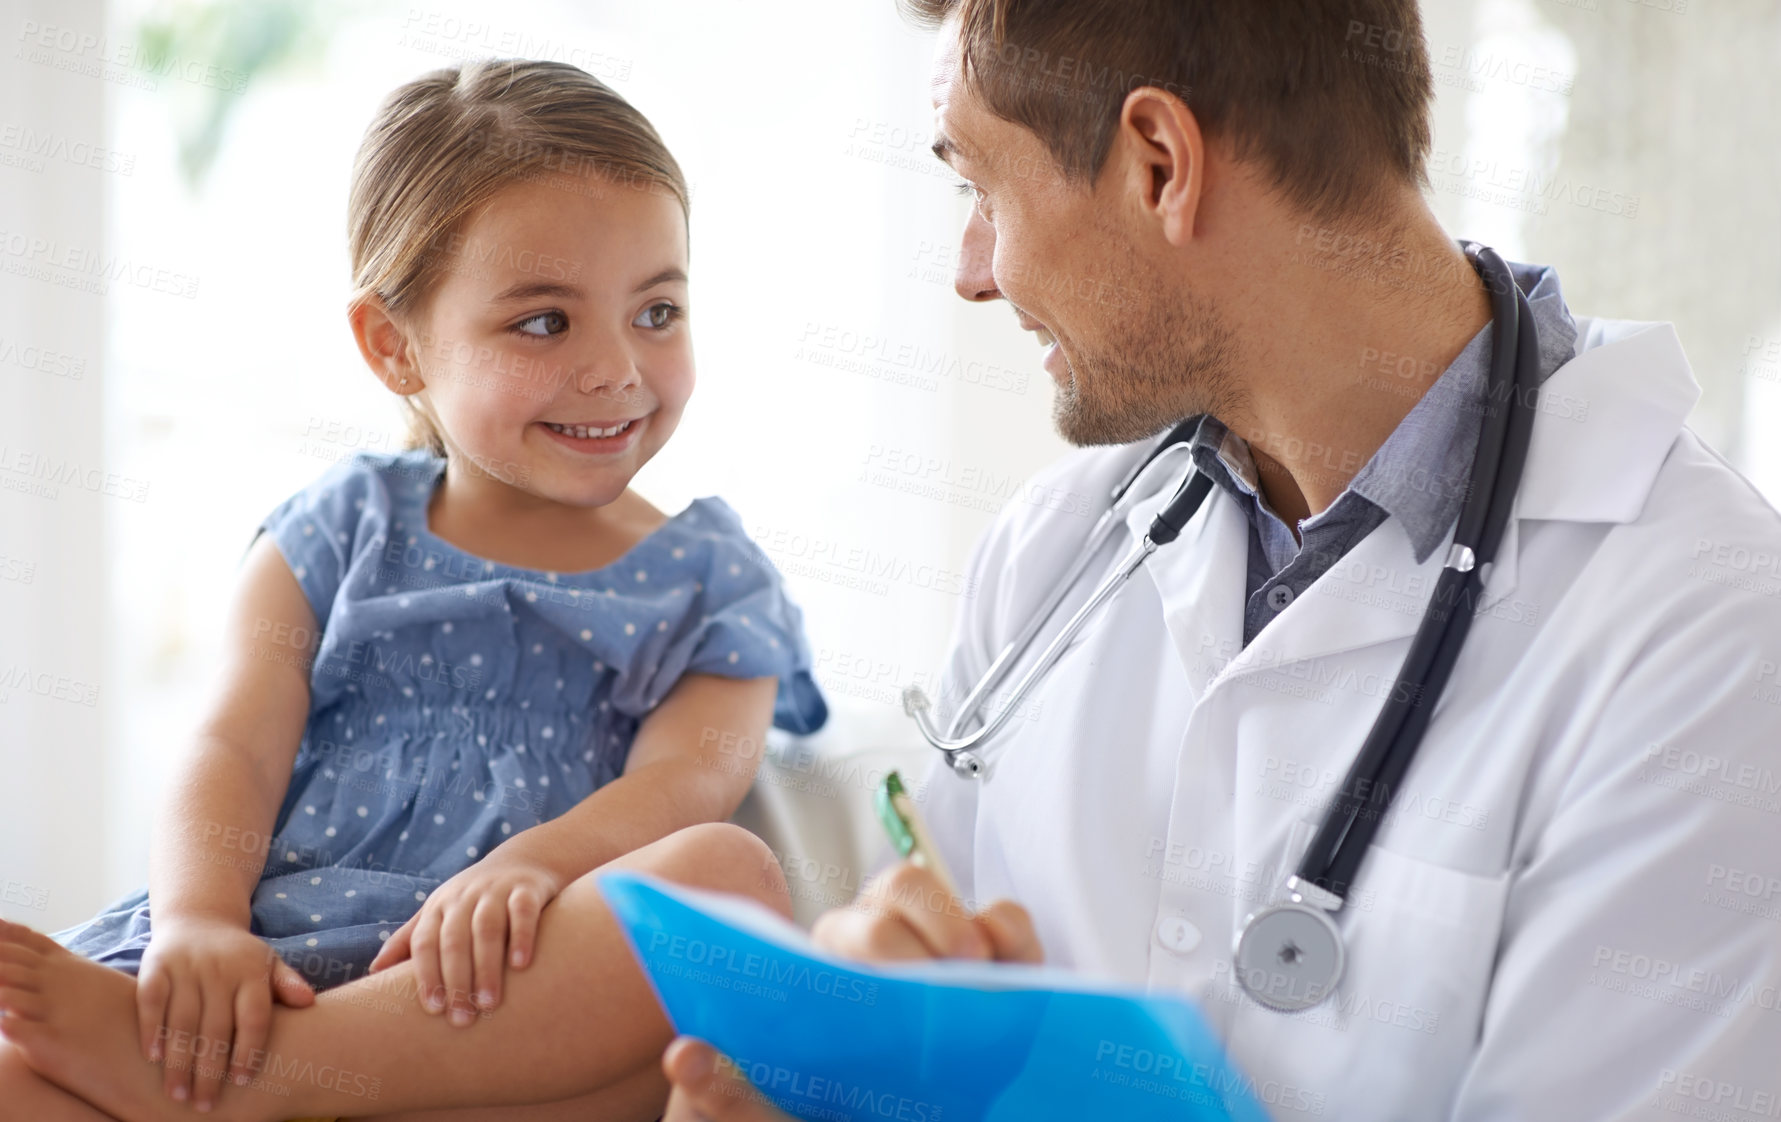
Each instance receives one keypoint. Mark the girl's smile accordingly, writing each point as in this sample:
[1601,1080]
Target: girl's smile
[594,438]
[569,380]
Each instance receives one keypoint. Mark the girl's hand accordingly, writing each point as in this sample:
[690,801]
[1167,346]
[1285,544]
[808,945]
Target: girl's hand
[206,983]
[468,927]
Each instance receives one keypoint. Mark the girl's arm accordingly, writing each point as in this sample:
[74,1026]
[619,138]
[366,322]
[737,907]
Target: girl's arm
[203,972]
[693,760]
[210,839]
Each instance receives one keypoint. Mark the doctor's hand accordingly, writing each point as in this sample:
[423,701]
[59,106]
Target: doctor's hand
[709,1088]
[907,914]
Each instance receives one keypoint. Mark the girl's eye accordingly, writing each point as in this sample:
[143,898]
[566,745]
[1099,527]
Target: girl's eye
[543,324]
[659,316]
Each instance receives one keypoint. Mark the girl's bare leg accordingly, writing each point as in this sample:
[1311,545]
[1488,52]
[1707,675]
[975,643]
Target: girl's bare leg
[29,1095]
[580,1021]
[641,1096]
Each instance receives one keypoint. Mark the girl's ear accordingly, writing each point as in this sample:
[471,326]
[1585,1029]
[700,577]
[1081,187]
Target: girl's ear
[385,345]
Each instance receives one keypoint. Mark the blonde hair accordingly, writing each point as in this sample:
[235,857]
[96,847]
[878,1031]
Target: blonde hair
[446,143]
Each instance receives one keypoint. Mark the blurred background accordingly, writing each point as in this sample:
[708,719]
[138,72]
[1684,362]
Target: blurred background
[174,358]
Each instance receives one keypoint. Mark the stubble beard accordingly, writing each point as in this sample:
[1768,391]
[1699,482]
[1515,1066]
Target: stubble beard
[1181,363]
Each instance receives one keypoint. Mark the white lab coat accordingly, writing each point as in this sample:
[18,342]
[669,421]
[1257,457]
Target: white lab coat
[1573,911]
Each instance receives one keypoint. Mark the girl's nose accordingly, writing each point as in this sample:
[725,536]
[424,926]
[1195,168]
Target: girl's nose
[612,376]
[614,388]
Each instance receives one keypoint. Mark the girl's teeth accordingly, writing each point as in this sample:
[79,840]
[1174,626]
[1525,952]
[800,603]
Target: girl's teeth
[583,432]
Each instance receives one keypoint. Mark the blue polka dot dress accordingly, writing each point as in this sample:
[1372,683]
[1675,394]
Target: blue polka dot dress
[456,701]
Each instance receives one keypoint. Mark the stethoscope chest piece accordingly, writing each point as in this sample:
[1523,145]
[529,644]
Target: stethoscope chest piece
[1289,956]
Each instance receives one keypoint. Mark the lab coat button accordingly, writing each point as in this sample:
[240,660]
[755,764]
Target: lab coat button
[1279,596]
[1178,934]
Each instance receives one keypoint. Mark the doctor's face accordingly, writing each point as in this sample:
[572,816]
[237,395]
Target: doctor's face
[1131,349]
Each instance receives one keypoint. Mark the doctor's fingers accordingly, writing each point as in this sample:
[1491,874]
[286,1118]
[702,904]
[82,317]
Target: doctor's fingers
[1011,933]
[868,937]
[706,1090]
[906,913]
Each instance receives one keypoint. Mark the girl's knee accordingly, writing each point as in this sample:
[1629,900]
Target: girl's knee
[721,857]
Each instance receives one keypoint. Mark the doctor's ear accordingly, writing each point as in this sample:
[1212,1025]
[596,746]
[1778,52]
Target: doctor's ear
[1164,158]
[386,346]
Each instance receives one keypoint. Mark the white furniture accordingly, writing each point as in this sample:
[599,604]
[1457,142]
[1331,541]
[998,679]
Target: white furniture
[812,803]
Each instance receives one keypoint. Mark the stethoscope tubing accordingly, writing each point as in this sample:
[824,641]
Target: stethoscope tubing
[1336,851]
[958,747]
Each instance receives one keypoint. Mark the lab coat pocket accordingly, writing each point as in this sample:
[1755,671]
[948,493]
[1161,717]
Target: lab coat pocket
[1421,942]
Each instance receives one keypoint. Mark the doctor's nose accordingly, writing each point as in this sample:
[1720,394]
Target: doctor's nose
[975,279]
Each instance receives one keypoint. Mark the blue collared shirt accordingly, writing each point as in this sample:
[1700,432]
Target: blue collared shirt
[1418,476]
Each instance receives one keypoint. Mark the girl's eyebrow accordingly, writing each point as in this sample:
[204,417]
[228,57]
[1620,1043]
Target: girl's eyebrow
[530,289]
[672,273]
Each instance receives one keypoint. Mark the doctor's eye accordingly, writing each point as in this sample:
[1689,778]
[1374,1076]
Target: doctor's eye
[659,316]
[971,190]
[543,324]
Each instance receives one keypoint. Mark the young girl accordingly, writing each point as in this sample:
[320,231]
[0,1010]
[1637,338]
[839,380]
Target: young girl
[460,677]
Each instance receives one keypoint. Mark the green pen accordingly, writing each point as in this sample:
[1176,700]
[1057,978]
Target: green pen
[908,833]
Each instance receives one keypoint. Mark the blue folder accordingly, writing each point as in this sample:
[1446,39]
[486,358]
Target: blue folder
[830,1039]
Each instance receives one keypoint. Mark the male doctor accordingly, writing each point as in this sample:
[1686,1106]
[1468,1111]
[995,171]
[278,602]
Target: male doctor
[1572,909]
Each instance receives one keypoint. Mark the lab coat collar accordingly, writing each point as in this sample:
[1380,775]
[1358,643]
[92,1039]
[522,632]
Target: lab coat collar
[1608,418]
[1606,423]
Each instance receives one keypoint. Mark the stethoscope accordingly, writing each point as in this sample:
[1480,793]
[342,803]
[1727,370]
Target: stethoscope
[1289,955]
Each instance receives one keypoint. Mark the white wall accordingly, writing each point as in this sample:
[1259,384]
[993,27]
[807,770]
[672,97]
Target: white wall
[820,222]
[58,686]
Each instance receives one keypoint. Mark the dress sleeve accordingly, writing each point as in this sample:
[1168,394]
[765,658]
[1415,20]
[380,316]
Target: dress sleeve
[319,530]
[741,624]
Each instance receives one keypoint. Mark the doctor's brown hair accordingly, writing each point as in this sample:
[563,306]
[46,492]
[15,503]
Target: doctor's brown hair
[1331,97]
[443,145]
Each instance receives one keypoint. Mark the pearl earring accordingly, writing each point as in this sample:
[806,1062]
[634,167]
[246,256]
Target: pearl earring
[403,382]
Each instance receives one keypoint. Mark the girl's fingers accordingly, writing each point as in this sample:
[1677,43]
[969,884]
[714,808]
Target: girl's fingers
[523,909]
[397,947]
[183,1007]
[253,1020]
[210,1051]
[151,1012]
[290,987]
[488,926]
[424,949]
[457,944]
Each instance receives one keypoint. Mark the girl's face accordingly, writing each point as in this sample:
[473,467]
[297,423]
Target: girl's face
[554,351]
